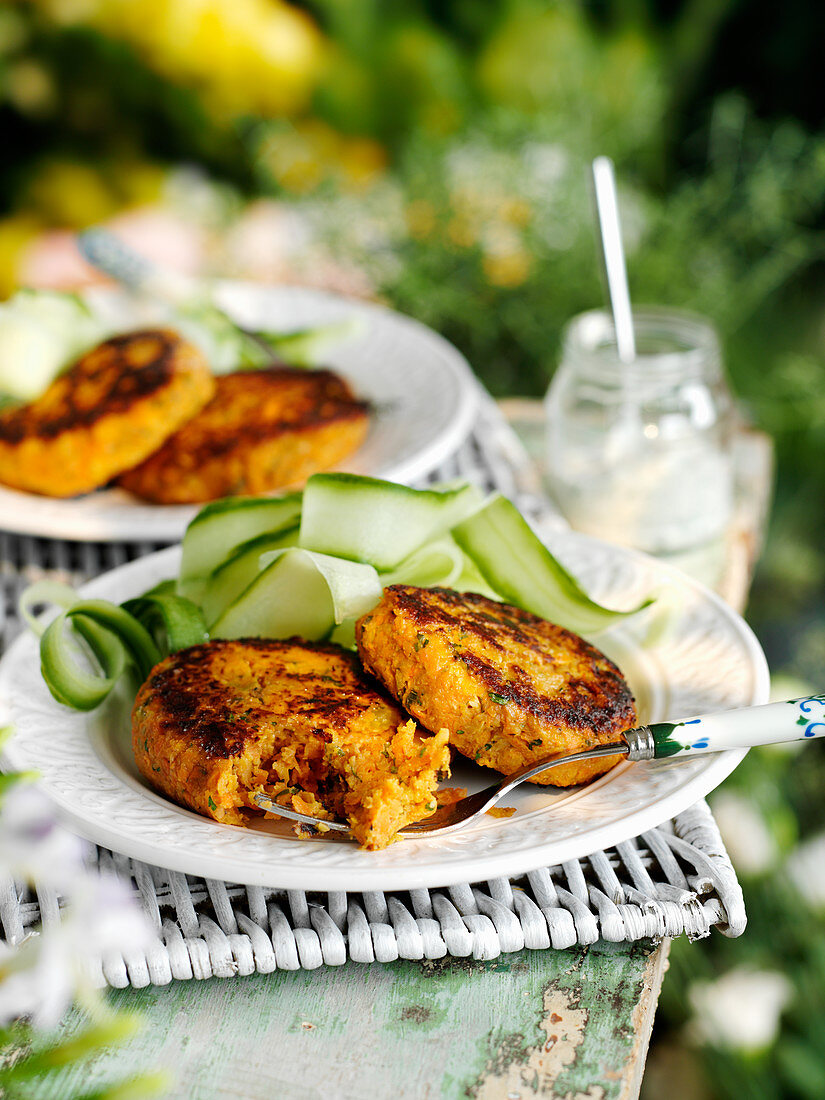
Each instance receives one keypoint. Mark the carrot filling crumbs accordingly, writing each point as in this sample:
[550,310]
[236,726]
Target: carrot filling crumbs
[302,723]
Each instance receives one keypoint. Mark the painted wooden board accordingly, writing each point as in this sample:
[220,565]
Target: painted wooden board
[572,1024]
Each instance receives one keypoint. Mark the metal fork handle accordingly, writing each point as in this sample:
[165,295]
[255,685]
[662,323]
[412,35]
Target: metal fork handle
[474,805]
[530,771]
[641,744]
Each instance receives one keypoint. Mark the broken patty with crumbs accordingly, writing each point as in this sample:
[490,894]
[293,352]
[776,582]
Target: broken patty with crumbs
[114,407]
[263,430]
[297,721]
[510,687]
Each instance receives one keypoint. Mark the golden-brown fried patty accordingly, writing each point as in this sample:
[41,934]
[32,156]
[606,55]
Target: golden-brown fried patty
[297,721]
[511,688]
[263,430]
[114,407]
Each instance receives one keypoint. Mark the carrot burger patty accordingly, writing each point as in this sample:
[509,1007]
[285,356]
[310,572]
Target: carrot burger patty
[263,430]
[510,687]
[297,721]
[112,409]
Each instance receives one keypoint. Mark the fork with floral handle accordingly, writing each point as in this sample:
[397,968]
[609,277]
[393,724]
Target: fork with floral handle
[772,723]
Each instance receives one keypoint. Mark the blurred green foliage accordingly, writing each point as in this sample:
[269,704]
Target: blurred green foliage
[31,1061]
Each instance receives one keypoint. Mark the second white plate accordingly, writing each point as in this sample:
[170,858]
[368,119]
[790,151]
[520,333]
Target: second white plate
[423,390]
[707,660]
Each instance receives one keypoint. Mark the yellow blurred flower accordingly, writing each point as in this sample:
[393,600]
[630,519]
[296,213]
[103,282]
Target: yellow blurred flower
[29,86]
[480,198]
[67,12]
[138,183]
[515,211]
[361,161]
[297,156]
[69,194]
[16,233]
[246,56]
[420,218]
[13,30]
[461,232]
[507,269]
[305,154]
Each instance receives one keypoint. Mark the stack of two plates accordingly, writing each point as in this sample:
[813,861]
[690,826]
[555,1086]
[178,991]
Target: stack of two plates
[705,658]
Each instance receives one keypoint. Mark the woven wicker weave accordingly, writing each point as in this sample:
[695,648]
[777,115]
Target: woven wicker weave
[676,879]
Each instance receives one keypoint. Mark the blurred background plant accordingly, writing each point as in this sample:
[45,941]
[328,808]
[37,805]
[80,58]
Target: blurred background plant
[434,154]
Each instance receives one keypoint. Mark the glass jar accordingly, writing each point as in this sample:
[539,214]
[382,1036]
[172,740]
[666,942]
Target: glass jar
[640,453]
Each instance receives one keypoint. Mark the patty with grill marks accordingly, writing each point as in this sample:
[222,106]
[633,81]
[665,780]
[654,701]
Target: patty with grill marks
[510,687]
[114,407]
[263,430]
[300,722]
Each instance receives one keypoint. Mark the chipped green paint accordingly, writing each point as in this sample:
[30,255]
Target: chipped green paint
[582,1039]
[546,1023]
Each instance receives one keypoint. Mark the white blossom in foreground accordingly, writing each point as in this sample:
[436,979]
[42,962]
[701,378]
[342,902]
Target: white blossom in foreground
[36,980]
[750,843]
[33,846]
[739,1011]
[806,870]
[40,977]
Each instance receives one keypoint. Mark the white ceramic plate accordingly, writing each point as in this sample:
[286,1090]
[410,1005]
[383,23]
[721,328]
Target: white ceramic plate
[707,660]
[423,390]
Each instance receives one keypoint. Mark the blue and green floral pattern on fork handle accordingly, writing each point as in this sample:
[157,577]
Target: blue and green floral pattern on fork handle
[738,729]
[732,729]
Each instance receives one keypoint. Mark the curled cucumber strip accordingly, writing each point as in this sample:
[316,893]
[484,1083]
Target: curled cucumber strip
[513,560]
[44,592]
[178,621]
[138,643]
[66,666]
[88,646]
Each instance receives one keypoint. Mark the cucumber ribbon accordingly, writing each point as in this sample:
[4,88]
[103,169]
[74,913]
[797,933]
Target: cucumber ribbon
[88,646]
[308,564]
[299,592]
[519,567]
